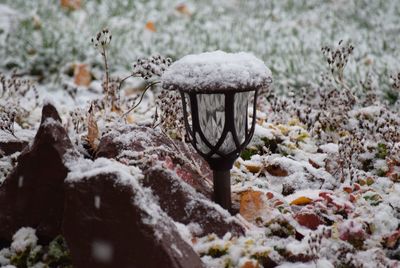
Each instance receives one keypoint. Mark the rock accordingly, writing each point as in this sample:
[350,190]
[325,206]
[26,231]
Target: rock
[32,195]
[143,146]
[287,189]
[12,146]
[181,202]
[111,221]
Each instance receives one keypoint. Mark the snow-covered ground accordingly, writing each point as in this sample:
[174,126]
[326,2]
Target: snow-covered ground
[324,162]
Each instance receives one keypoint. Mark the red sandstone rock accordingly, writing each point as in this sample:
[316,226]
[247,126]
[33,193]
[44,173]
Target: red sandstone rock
[109,221]
[32,195]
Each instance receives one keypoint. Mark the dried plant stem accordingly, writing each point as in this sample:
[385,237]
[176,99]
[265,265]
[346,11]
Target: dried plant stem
[123,80]
[141,97]
[107,79]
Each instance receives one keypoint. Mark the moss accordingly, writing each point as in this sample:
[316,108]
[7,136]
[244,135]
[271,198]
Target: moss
[248,152]
[217,251]
[302,137]
[382,151]
[272,144]
[35,256]
[20,259]
[58,253]
[373,199]
[228,263]
[264,259]
[280,228]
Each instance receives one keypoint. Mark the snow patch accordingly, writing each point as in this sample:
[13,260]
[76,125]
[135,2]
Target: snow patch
[217,70]
[24,238]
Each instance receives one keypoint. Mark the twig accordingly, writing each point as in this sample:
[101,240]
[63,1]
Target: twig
[104,53]
[141,98]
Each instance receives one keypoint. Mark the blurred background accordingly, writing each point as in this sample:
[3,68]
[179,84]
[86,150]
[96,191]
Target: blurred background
[41,37]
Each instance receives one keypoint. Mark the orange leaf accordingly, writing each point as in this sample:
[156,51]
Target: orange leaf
[70,4]
[150,26]
[301,201]
[250,264]
[82,75]
[348,189]
[251,204]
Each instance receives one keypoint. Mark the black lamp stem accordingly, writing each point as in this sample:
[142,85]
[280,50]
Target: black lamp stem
[222,188]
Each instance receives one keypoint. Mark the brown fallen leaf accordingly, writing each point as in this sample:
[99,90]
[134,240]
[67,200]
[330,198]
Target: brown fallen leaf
[314,164]
[93,131]
[277,170]
[252,167]
[183,9]
[70,4]
[251,204]
[82,75]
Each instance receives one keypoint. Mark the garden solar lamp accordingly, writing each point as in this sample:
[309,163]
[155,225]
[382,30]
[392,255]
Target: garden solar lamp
[217,89]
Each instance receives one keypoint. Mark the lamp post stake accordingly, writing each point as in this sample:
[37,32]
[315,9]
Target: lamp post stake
[222,188]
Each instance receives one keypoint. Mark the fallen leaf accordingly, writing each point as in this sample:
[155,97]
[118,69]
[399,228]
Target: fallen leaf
[70,4]
[93,130]
[252,167]
[270,195]
[348,189]
[276,170]
[130,119]
[314,164]
[301,201]
[250,264]
[392,240]
[251,204]
[183,9]
[150,26]
[82,75]
[309,219]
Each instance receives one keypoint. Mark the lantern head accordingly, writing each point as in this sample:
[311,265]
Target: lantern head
[217,88]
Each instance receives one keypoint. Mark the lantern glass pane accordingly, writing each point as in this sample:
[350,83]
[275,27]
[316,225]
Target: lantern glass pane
[211,111]
[240,110]
[188,111]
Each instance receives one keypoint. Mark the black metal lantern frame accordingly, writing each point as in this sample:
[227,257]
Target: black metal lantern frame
[220,162]
[224,161]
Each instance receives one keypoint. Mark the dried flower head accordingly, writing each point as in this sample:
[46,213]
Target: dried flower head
[102,40]
[337,57]
[152,66]
[395,81]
